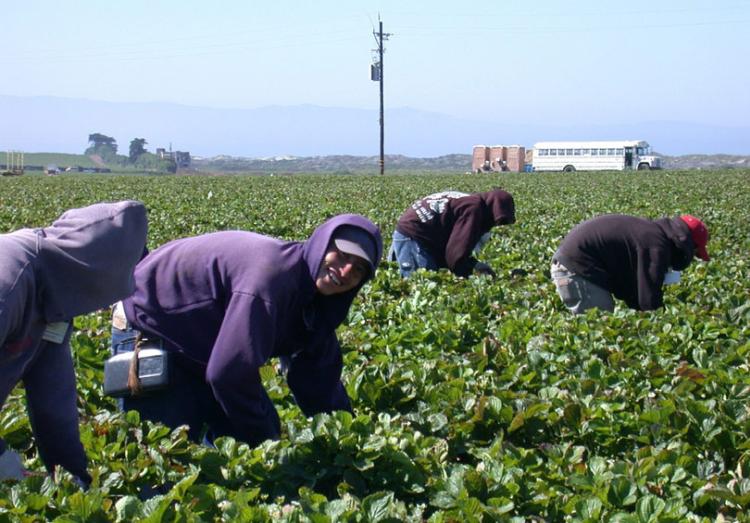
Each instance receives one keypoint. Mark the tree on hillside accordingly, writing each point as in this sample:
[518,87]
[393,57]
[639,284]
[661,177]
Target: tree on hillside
[104,146]
[98,139]
[137,148]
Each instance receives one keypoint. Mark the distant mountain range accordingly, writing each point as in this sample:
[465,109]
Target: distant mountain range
[50,124]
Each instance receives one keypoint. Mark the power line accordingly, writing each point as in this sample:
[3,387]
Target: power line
[567,12]
[139,53]
[418,32]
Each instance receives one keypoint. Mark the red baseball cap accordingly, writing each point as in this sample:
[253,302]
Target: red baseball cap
[699,233]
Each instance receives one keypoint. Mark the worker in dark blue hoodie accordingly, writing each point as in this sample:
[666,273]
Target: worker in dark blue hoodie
[625,257]
[83,262]
[222,304]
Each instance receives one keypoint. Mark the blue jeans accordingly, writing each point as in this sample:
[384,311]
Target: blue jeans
[579,294]
[410,255]
[188,400]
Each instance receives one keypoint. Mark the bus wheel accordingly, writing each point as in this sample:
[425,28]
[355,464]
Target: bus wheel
[569,169]
[644,167]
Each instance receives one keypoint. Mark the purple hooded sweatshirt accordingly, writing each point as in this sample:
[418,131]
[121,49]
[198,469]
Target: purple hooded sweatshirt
[228,301]
[449,224]
[82,262]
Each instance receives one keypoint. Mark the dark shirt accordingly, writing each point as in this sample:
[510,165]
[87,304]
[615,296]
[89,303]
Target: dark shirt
[627,255]
[449,224]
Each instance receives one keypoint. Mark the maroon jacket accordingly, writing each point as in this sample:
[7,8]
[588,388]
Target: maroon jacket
[449,224]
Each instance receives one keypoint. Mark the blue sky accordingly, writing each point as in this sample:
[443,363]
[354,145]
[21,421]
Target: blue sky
[587,62]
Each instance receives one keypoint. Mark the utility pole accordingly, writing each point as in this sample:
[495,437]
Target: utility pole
[376,74]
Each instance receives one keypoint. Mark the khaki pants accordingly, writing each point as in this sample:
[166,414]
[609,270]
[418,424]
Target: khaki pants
[577,293]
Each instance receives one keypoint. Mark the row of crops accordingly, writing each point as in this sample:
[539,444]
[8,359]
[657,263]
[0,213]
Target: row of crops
[475,399]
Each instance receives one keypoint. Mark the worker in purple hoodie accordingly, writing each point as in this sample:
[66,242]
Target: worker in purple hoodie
[83,262]
[447,229]
[222,304]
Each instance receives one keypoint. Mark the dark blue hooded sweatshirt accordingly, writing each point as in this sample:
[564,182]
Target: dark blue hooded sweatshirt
[228,301]
[628,255]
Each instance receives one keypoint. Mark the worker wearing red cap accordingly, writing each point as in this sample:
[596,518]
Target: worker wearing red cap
[627,257]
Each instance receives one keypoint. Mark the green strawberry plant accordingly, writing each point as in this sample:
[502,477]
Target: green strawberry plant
[474,399]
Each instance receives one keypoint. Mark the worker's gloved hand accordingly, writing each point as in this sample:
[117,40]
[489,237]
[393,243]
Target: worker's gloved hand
[11,467]
[82,484]
[484,269]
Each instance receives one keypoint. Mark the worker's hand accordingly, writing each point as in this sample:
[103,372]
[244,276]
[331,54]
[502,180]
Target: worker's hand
[484,269]
[82,484]
[11,467]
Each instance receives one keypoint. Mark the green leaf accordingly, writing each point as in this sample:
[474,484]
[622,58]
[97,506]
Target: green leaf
[622,517]
[517,423]
[589,508]
[377,505]
[622,492]
[36,502]
[128,508]
[649,507]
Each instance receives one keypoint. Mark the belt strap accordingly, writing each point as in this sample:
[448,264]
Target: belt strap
[134,382]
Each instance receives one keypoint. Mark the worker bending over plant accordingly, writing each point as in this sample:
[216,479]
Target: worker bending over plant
[446,229]
[625,256]
[221,305]
[83,262]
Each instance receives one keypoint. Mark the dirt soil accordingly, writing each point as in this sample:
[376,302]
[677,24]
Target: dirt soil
[97,160]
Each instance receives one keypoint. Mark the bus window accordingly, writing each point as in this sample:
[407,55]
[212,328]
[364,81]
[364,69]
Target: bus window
[576,152]
[586,152]
[602,152]
[610,152]
[553,152]
[618,152]
[594,152]
[568,152]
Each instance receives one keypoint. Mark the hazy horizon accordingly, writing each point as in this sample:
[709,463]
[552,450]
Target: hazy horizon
[578,65]
[51,124]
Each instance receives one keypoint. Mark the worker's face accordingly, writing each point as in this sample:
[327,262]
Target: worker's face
[340,271]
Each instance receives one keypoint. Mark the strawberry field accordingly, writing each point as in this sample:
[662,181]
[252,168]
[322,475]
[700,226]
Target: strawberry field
[475,399]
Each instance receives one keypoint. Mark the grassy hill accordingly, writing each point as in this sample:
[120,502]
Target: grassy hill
[346,164]
[38,162]
[61,160]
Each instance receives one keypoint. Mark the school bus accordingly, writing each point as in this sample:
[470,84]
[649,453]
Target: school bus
[594,156]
